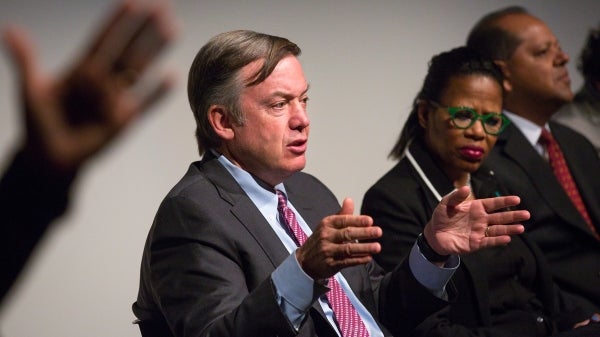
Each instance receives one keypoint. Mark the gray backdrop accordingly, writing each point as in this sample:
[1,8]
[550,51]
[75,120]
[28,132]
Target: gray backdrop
[365,61]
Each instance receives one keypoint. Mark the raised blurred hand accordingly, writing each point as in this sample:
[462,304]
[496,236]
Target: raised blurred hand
[70,117]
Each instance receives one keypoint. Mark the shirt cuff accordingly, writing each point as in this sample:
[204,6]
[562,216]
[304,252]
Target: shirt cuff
[432,277]
[296,291]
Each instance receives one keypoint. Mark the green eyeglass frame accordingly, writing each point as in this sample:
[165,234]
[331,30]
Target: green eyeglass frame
[464,118]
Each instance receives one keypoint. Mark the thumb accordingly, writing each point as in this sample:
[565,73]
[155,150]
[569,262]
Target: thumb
[347,207]
[21,51]
[457,196]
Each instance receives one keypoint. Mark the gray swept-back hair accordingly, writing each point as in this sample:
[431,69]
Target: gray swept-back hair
[214,75]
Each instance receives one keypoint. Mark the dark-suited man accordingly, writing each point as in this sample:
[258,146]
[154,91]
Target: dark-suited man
[222,257]
[563,224]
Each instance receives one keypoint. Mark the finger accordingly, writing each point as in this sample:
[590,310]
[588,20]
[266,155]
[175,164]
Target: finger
[355,234]
[153,95]
[502,230]
[156,30]
[351,261]
[456,197]
[340,222]
[492,204]
[22,53]
[111,29]
[508,217]
[347,207]
[495,241]
[351,250]
[346,218]
[138,101]
[355,249]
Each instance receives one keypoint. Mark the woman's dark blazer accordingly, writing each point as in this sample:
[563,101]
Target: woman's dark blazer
[401,204]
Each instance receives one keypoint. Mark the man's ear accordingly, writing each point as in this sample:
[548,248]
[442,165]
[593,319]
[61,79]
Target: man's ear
[506,73]
[423,114]
[220,121]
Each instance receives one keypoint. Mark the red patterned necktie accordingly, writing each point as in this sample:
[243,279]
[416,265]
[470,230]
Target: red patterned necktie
[562,173]
[349,322]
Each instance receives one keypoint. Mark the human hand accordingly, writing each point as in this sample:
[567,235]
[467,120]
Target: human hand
[460,226]
[335,245]
[71,117]
[581,324]
[594,319]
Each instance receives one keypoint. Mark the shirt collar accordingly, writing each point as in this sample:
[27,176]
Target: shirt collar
[530,130]
[260,194]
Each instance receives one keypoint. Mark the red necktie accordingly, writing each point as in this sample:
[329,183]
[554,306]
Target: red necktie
[562,173]
[349,322]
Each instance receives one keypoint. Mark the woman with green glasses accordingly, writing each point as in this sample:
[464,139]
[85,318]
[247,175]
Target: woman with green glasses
[454,123]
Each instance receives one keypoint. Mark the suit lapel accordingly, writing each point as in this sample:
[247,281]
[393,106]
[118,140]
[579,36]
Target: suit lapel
[244,210]
[540,174]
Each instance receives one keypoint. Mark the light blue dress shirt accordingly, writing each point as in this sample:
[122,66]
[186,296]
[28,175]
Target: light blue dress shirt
[295,289]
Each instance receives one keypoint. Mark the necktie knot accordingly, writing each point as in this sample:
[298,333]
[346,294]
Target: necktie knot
[281,201]
[546,138]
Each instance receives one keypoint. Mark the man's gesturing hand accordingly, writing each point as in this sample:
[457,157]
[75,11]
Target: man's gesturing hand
[335,243]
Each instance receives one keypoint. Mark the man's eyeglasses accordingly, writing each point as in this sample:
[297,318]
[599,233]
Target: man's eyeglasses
[464,118]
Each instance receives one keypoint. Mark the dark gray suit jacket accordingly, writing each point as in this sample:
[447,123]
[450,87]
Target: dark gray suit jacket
[555,224]
[210,253]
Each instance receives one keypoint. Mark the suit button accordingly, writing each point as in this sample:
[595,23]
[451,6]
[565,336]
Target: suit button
[539,319]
